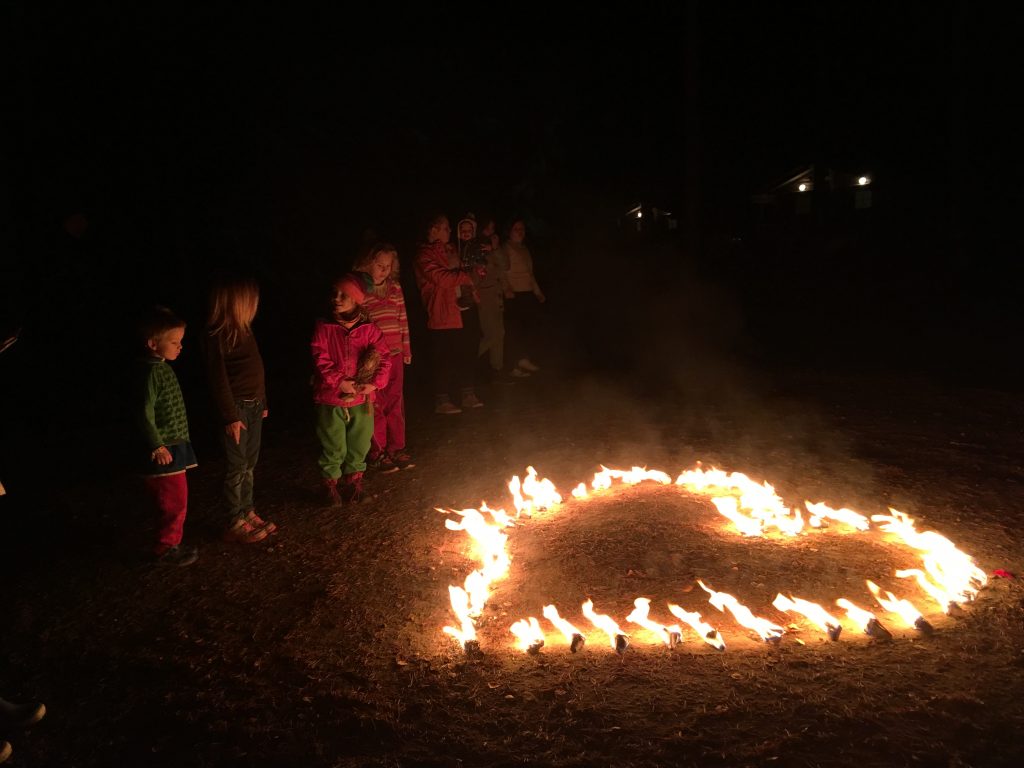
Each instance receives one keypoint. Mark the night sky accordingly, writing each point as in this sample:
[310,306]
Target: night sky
[271,139]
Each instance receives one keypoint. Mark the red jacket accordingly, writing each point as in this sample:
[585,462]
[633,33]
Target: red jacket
[336,353]
[437,281]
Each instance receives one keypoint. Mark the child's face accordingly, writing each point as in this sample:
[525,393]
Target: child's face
[167,345]
[465,231]
[441,232]
[343,303]
[380,267]
[518,232]
[488,229]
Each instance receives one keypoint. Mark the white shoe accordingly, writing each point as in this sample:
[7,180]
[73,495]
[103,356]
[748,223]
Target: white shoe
[528,365]
[519,373]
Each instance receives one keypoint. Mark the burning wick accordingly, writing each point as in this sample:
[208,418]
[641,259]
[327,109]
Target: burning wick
[707,633]
[902,608]
[865,620]
[769,632]
[672,636]
[574,636]
[619,639]
[812,611]
[529,634]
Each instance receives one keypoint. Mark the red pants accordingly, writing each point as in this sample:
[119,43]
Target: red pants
[389,412]
[170,493]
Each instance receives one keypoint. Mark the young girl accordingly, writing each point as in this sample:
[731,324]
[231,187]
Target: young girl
[385,306]
[449,298]
[163,427]
[523,298]
[235,372]
[352,361]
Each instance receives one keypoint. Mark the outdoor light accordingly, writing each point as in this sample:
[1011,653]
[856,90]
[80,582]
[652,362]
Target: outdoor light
[639,214]
[802,187]
[863,181]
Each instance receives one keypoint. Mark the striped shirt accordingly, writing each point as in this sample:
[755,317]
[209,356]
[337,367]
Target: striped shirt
[385,306]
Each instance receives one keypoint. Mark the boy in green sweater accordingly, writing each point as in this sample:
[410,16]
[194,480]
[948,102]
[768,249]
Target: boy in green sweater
[163,425]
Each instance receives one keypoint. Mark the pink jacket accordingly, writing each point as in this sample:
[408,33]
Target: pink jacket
[336,352]
[438,280]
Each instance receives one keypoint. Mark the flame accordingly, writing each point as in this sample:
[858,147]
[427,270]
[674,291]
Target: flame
[902,608]
[935,592]
[727,506]
[529,634]
[952,570]
[857,615]
[760,501]
[580,491]
[722,600]
[671,636]
[822,511]
[707,633]
[607,625]
[603,479]
[460,604]
[818,615]
[573,635]
[542,493]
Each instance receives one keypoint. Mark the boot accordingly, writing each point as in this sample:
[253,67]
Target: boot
[330,492]
[351,490]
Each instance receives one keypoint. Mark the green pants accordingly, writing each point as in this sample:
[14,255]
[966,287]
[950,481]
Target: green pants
[344,438]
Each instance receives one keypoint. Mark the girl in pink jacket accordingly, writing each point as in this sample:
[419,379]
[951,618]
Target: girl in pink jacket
[352,361]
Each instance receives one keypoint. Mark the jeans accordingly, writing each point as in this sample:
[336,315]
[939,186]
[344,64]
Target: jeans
[242,458]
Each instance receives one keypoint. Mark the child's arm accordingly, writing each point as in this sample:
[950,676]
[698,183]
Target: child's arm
[147,421]
[220,386]
[330,371]
[434,269]
[403,324]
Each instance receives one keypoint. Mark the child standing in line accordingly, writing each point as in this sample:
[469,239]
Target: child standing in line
[385,306]
[235,372]
[450,300]
[163,426]
[352,361]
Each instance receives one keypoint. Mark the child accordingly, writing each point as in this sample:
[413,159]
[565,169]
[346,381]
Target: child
[450,300]
[352,361]
[163,426]
[385,306]
[235,372]
[523,298]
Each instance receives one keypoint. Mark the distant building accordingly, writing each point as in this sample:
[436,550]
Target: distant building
[813,193]
[642,219]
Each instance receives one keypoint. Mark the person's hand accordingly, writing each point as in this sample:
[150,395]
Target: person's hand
[481,270]
[509,294]
[540,296]
[234,431]
[347,387]
[162,456]
[407,359]
[266,413]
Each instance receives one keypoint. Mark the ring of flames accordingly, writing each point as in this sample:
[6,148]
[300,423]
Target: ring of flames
[947,576]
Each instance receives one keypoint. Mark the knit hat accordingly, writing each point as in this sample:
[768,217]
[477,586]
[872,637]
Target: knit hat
[354,285]
[470,219]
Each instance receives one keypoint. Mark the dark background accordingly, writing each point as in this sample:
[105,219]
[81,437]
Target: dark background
[148,147]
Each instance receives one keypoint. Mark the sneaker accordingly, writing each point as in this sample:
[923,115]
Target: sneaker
[519,373]
[401,460]
[180,556]
[5,751]
[21,715]
[528,365]
[331,496]
[258,522]
[351,490]
[243,532]
[384,464]
[470,400]
[447,408]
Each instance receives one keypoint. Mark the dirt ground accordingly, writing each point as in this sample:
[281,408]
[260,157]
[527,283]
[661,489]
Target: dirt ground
[323,646]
